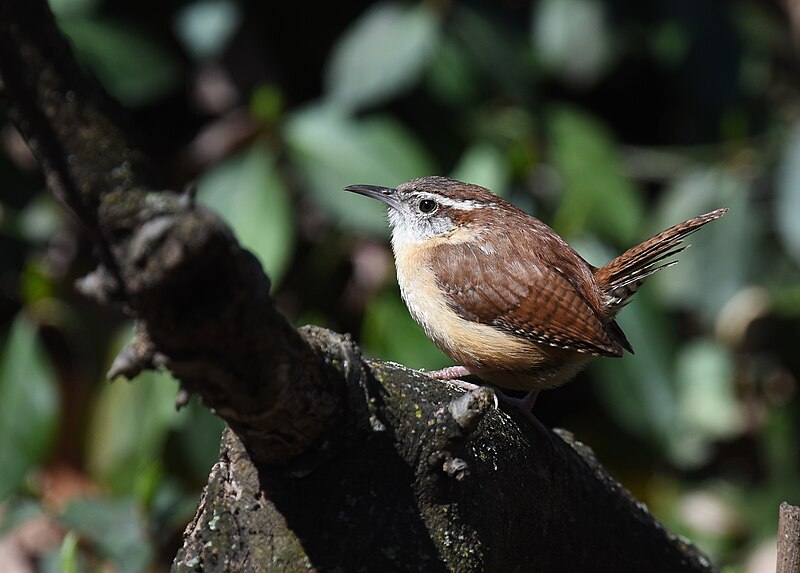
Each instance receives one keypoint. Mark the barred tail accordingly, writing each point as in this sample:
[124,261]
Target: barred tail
[623,276]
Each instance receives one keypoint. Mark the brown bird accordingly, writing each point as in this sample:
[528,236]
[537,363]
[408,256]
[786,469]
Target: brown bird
[501,293]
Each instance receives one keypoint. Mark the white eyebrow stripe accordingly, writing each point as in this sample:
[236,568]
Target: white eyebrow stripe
[464,205]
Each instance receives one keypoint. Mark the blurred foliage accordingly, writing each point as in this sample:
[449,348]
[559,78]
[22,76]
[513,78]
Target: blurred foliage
[246,188]
[29,403]
[609,120]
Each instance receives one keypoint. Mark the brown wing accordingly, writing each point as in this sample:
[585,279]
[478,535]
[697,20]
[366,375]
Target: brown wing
[529,297]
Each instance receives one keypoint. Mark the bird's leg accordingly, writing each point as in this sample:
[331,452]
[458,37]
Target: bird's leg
[525,405]
[453,373]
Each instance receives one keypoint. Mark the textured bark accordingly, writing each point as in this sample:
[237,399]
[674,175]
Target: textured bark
[428,485]
[331,462]
[788,539]
[202,302]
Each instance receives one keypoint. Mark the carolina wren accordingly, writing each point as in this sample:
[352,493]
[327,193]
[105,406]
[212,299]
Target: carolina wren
[501,293]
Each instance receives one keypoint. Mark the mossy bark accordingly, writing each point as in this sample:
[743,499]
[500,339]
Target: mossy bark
[423,485]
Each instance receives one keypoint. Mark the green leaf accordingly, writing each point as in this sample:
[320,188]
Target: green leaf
[389,333]
[205,27]
[17,511]
[573,39]
[787,203]
[197,440]
[130,66]
[37,284]
[484,165]
[383,53]
[266,103]
[331,150]
[68,553]
[707,405]
[596,193]
[638,389]
[72,8]
[250,194]
[41,219]
[128,428]
[707,277]
[116,528]
[28,404]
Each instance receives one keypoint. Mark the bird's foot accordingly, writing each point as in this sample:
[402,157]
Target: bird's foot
[524,405]
[452,374]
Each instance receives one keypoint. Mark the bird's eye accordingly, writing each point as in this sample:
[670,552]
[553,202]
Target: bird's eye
[427,205]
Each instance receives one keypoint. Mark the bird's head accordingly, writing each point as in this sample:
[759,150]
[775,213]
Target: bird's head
[430,207]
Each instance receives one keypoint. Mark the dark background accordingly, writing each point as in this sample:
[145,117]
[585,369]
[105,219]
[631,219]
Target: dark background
[609,120]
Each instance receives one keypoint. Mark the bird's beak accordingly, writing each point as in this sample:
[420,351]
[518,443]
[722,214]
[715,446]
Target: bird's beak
[385,194]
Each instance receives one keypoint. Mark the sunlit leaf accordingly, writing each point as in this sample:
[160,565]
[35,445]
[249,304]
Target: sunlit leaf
[116,528]
[250,194]
[128,427]
[597,195]
[573,39]
[72,8]
[484,165]
[41,219]
[132,67]
[28,404]
[383,53]
[721,259]
[707,405]
[205,27]
[331,150]
[68,553]
[389,333]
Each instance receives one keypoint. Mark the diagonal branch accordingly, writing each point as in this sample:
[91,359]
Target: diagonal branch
[202,302]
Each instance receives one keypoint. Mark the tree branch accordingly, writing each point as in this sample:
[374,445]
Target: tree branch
[333,461]
[202,302]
